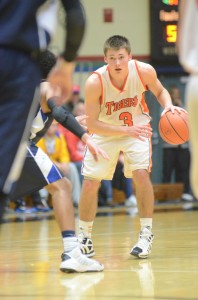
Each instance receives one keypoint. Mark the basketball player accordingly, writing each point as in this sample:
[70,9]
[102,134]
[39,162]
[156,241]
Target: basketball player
[39,171]
[187,43]
[26,29]
[119,119]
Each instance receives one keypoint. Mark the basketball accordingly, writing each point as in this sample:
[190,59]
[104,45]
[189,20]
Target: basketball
[174,128]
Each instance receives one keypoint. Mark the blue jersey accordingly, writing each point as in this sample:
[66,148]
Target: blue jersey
[24,29]
[28,25]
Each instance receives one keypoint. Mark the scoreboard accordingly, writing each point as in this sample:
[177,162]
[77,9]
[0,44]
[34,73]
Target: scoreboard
[163,21]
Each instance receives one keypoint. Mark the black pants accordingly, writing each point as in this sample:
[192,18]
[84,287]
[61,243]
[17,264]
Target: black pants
[176,162]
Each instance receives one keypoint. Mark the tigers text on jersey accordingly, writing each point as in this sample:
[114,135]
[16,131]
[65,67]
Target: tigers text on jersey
[124,107]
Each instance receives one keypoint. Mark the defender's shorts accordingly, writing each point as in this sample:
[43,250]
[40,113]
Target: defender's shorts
[38,171]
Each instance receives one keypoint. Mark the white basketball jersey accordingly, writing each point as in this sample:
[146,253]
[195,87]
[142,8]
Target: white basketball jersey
[124,107]
[40,125]
[188,41]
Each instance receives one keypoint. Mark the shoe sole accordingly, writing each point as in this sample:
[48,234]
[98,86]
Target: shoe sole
[139,256]
[68,270]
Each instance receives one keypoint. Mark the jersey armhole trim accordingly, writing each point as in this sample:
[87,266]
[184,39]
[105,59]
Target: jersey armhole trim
[138,71]
[102,87]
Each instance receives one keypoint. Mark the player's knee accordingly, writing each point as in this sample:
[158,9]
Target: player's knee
[91,185]
[59,185]
[140,176]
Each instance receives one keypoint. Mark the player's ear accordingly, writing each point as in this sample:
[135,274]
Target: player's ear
[105,59]
[130,56]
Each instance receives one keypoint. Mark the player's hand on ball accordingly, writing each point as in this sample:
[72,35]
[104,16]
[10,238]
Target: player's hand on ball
[173,108]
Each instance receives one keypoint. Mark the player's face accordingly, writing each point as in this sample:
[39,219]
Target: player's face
[117,60]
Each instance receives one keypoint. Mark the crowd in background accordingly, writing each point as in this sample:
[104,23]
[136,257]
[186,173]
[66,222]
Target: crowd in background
[67,151]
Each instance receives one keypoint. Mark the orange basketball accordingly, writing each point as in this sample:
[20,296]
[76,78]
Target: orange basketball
[174,128]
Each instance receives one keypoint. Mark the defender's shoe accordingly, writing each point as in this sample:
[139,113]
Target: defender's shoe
[86,247]
[75,261]
[143,247]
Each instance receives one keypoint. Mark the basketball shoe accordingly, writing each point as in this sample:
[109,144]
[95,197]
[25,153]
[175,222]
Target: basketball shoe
[131,201]
[86,245]
[143,247]
[75,261]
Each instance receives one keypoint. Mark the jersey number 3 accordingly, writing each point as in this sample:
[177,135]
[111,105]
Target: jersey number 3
[127,118]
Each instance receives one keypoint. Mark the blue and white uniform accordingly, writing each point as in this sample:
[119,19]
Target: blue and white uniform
[26,29]
[38,170]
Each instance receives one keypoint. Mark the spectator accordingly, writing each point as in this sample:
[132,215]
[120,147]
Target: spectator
[39,204]
[75,146]
[176,158]
[74,99]
[54,144]
[77,149]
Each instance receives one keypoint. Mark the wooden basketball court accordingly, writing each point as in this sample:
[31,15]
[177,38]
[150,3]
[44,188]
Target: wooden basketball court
[31,247]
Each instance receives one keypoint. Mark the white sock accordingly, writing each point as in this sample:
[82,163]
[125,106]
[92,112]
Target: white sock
[85,228]
[146,222]
[69,243]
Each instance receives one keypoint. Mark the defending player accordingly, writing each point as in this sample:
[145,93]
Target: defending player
[39,171]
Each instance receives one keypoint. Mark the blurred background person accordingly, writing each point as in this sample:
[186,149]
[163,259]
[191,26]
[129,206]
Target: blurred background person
[176,158]
[120,182]
[54,144]
[187,42]
[39,204]
[74,99]
[76,150]
[75,146]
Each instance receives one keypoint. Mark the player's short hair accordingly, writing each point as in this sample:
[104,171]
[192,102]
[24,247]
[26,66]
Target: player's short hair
[116,42]
[47,61]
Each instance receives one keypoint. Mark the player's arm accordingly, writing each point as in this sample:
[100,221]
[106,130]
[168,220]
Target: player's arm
[182,8]
[153,84]
[93,95]
[67,120]
[75,27]
[47,92]
[61,75]
[150,80]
